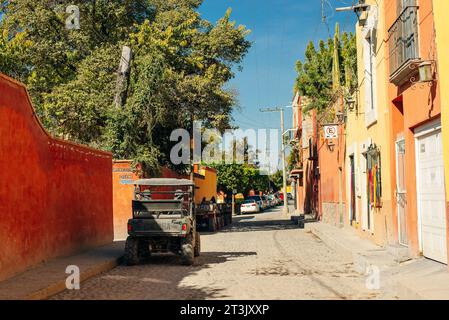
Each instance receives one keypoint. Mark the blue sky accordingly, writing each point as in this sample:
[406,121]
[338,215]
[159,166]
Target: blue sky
[281,30]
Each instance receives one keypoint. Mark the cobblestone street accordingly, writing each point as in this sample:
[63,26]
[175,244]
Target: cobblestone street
[259,257]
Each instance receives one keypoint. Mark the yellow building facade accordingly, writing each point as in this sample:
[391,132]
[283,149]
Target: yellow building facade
[206,183]
[368,141]
[441,7]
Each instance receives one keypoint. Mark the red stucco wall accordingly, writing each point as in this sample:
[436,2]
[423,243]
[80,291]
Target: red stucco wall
[55,196]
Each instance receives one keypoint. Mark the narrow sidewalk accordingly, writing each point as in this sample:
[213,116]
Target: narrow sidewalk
[47,279]
[413,279]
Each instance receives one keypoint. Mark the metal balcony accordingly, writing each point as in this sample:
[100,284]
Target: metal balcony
[403,45]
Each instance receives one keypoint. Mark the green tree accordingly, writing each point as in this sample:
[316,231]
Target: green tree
[323,71]
[181,64]
[277,179]
[240,177]
[54,53]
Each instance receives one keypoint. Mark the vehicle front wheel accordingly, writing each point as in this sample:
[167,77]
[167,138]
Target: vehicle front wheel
[131,257]
[187,252]
[197,251]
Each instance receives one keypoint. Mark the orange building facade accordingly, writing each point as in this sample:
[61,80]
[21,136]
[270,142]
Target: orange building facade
[331,160]
[416,147]
[305,175]
[319,175]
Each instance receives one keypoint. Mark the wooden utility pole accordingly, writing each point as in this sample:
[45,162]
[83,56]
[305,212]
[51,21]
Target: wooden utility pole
[123,77]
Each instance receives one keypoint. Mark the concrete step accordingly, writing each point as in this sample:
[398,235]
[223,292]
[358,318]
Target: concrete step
[400,253]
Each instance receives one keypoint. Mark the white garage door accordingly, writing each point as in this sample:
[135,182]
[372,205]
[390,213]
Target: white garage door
[431,196]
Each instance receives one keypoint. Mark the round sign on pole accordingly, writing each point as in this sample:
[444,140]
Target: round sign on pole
[331,132]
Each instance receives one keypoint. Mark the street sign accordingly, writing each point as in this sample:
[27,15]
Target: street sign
[331,132]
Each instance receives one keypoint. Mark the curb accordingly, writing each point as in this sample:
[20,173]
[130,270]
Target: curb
[361,262]
[60,286]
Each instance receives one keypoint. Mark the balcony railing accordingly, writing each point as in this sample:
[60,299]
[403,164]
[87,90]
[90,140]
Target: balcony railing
[403,44]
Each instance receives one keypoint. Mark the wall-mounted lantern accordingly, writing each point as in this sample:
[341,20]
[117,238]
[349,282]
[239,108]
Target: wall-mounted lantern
[425,72]
[350,102]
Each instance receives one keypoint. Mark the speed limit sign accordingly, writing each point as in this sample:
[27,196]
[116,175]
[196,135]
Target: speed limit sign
[331,132]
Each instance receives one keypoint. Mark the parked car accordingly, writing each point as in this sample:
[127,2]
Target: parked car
[281,196]
[265,203]
[259,201]
[250,206]
[272,199]
[278,199]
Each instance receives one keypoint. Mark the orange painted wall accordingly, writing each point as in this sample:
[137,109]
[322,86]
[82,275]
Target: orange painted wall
[331,163]
[122,197]
[396,133]
[421,104]
[55,196]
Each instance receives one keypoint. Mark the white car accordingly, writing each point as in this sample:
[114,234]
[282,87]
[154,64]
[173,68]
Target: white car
[250,206]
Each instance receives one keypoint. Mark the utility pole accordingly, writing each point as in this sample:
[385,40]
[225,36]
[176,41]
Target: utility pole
[284,173]
[234,191]
[123,77]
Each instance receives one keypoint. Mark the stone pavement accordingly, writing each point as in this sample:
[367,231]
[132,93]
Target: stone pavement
[259,257]
[405,278]
[48,279]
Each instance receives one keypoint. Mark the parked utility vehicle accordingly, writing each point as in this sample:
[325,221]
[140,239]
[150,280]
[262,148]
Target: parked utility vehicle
[163,221]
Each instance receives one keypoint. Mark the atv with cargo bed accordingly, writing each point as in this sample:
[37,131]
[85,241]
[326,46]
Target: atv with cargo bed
[163,221]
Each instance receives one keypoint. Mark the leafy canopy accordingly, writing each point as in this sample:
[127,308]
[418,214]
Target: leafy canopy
[179,71]
[319,78]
